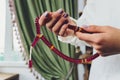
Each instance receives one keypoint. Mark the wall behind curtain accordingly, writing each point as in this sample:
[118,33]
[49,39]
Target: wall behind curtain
[2,25]
[48,64]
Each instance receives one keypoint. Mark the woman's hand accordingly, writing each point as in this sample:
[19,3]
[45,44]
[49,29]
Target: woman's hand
[57,22]
[105,39]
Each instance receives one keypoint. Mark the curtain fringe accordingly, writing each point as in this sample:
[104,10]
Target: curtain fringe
[22,49]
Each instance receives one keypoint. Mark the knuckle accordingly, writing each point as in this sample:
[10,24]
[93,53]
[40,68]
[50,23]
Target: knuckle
[56,28]
[64,27]
[60,26]
[55,15]
[98,40]
[51,23]
[79,37]
[98,47]
[92,27]
[63,20]
[53,29]
[48,25]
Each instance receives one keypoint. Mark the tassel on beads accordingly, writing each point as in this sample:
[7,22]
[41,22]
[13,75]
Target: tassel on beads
[30,58]
[30,63]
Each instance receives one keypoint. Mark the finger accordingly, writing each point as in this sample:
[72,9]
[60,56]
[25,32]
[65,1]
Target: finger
[85,36]
[63,30]
[93,28]
[45,17]
[55,17]
[57,27]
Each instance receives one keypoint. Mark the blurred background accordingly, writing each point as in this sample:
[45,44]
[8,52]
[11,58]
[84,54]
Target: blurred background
[17,31]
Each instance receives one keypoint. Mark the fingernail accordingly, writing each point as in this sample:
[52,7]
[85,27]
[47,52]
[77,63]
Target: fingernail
[60,11]
[66,21]
[46,14]
[65,15]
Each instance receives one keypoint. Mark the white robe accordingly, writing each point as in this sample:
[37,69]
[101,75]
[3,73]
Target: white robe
[100,12]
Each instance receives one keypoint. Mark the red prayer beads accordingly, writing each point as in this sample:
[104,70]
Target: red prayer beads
[30,63]
[40,36]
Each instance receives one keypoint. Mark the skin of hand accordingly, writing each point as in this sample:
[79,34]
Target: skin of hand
[105,39]
[57,22]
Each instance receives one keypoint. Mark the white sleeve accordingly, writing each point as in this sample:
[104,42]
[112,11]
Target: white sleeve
[72,40]
[81,21]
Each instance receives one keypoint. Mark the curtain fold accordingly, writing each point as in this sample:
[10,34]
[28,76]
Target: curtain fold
[48,64]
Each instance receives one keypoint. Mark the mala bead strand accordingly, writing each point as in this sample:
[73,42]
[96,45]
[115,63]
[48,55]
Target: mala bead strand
[37,25]
[51,46]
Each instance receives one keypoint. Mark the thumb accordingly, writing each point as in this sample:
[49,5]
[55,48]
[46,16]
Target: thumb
[93,28]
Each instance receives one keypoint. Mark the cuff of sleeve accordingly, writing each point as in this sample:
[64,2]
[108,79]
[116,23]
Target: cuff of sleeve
[72,40]
[74,20]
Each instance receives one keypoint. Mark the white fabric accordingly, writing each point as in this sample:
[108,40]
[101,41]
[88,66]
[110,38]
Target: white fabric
[101,12]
